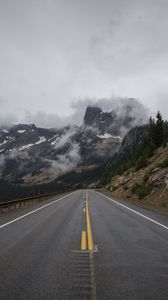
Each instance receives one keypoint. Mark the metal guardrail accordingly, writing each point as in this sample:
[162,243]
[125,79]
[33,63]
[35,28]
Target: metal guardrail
[10,205]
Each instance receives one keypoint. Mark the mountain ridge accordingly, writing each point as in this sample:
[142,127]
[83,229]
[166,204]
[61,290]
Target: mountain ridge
[31,155]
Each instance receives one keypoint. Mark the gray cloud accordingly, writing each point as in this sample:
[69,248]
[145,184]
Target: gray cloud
[78,108]
[53,51]
[13,154]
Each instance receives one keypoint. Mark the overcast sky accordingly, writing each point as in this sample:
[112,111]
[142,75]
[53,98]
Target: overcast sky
[53,52]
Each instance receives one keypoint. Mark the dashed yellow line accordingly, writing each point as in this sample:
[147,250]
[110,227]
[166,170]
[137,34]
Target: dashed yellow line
[83,241]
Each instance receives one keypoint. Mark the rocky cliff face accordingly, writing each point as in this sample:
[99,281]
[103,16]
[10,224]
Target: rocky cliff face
[108,122]
[135,137]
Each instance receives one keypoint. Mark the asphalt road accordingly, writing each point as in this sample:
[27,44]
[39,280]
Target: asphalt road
[41,256]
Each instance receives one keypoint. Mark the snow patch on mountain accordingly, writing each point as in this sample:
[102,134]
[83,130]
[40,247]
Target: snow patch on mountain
[4,130]
[105,136]
[41,140]
[54,140]
[108,136]
[3,143]
[21,131]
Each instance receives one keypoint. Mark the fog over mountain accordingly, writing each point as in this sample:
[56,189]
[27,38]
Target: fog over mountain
[78,108]
[116,104]
[30,154]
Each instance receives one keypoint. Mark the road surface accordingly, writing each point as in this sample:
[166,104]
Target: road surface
[83,245]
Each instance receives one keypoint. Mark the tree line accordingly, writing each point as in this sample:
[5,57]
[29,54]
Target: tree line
[157,137]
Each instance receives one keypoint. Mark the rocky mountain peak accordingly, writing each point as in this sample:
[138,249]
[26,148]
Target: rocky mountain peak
[116,122]
[91,115]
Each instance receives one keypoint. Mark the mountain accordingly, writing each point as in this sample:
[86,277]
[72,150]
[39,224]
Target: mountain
[31,155]
[140,168]
[110,122]
[134,139]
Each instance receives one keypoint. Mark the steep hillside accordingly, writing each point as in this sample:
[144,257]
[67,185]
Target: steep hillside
[149,183]
[140,169]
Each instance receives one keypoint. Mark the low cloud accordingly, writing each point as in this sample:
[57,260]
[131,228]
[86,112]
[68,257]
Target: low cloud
[119,105]
[65,162]
[78,108]
[8,120]
[65,138]
[14,154]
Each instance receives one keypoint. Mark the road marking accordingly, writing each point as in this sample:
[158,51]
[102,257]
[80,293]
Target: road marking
[134,211]
[88,225]
[95,250]
[83,240]
[35,210]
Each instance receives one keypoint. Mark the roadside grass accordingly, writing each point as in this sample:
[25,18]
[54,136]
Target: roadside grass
[141,190]
[162,208]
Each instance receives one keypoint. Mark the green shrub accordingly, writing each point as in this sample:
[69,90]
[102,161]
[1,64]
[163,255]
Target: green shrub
[164,163]
[141,190]
[147,175]
[141,163]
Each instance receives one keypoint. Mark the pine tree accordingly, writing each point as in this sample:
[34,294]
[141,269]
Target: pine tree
[158,131]
[151,129]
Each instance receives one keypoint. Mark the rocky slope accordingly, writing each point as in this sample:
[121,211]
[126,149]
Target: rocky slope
[148,184]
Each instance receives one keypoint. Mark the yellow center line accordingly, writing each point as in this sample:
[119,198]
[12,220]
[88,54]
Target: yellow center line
[83,240]
[88,226]
[87,237]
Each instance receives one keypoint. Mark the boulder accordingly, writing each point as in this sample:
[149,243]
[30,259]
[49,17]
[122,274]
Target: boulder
[159,179]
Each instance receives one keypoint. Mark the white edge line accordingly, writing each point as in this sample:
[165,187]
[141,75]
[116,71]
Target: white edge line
[134,211]
[35,210]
